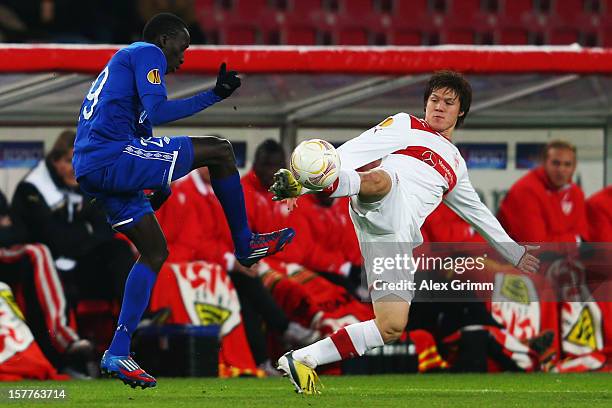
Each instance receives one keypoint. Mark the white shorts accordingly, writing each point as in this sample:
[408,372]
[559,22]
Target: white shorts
[388,231]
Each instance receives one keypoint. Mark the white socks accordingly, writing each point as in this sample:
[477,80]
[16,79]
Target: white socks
[348,184]
[345,343]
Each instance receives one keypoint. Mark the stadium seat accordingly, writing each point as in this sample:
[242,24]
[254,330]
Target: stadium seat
[457,36]
[409,17]
[516,9]
[410,10]
[568,9]
[463,9]
[292,35]
[563,36]
[240,35]
[356,8]
[605,39]
[512,36]
[405,37]
[250,8]
[352,36]
[305,6]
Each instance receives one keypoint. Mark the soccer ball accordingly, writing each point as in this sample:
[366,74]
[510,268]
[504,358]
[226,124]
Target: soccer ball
[315,163]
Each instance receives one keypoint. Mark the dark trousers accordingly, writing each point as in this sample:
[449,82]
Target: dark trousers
[258,309]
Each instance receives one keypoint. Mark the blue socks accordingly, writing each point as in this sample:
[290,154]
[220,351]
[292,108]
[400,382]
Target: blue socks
[229,192]
[138,289]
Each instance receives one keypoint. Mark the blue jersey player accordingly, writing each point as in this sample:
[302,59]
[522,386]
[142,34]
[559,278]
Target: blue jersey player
[116,157]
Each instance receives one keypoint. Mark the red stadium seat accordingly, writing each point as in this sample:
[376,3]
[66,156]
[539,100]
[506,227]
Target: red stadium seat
[606,37]
[305,6]
[240,35]
[410,16]
[352,36]
[568,8]
[516,9]
[457,36]
[410,9]
[563,36]
[293,35]
[463,9]
[406,37]
[250,9]
[356,8]
[513,36]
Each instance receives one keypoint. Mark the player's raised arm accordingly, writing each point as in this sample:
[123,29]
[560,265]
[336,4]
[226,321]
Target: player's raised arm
[161,110]
[464,200]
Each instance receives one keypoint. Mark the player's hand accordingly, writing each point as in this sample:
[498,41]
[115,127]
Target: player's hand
[528,262]
[285,186]
[291,203]
[227,82]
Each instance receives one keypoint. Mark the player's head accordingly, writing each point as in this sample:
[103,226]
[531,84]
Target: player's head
[171,35]
[269,158]
[60,157]
[559,162]
[447,100]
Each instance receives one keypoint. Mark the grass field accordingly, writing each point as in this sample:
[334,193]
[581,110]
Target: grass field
[434,390]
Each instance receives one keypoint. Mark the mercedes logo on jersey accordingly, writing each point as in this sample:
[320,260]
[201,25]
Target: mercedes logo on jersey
[428,157]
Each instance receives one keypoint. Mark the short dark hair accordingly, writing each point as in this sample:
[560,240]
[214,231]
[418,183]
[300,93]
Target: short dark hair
[62,145]
[557,144]
[457,83]
[268,146]
[162,23]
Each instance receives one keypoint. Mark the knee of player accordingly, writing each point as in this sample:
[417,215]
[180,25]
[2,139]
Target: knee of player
[375,183]
[391,329]
[225,149]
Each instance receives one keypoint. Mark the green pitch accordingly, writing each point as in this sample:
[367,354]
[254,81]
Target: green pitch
[433,390]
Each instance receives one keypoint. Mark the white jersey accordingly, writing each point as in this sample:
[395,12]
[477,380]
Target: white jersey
[425,169]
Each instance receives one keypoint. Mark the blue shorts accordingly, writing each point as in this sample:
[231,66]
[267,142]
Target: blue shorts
[145,164]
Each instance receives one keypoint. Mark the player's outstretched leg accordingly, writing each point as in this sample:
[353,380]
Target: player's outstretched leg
[351,341]
[117,362]
[218,155]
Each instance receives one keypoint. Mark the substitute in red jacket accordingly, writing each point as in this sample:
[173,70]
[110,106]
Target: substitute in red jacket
[545,205]
[599,214]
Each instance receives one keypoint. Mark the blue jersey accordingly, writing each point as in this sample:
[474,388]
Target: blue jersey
[112,113]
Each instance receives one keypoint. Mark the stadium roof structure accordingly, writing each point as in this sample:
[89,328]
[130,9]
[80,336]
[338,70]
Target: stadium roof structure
[291,87]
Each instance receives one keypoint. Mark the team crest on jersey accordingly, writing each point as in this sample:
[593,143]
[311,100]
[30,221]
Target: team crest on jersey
[154,77]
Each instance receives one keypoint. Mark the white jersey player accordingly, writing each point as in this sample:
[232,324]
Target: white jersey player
[416,166]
